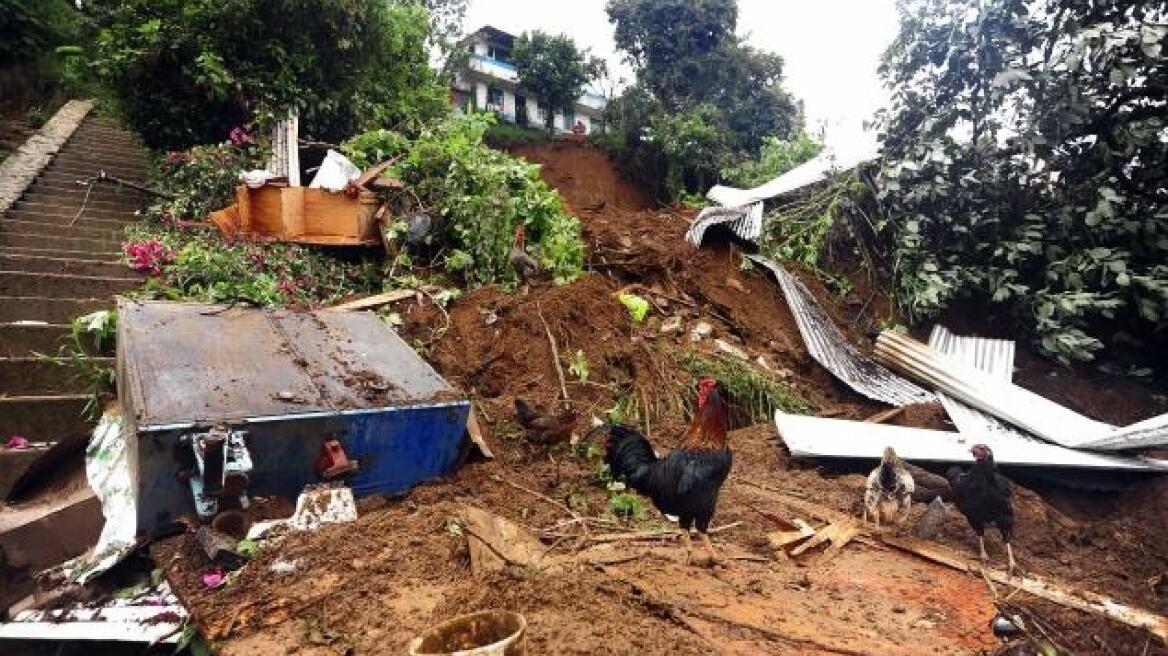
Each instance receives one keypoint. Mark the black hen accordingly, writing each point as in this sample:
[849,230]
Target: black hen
[985,497]
[686,482]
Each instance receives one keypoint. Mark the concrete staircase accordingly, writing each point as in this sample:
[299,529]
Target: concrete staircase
[57,260]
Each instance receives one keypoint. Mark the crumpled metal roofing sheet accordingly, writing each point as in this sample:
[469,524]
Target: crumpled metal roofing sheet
[992,356]
[148,617]
[745,221]
[831,349]
[1149,433]
[817,169]
[820,437]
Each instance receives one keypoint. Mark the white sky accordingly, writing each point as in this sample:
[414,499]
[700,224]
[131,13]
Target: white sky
[831,47]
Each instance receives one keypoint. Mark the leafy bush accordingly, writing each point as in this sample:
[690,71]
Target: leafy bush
[482,195]
[1024,163]
[206,268]
[756,393]
[186,71]
[202,179]
[776,157]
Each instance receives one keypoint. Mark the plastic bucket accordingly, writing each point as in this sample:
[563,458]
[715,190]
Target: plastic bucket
[486,633]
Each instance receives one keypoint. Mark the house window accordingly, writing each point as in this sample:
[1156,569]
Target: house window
[498,52]
[494,99]
[521,110]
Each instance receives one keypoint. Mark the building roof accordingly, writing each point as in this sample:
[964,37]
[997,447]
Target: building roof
[493,32]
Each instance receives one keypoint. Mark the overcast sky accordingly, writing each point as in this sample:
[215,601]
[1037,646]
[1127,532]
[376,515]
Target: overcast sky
[831,47]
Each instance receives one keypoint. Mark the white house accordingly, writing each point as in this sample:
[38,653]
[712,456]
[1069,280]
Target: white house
[489,82]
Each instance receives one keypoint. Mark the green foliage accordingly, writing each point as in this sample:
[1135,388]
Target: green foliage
[1024,164]
[797,229]
[206,268]
[703,98]
[32,29]
[757,393]
[776,157]
[90,335]
[482,195]
[201,179]
[554,69]
[578,367]
[505,136]
[187,71]
[626,504]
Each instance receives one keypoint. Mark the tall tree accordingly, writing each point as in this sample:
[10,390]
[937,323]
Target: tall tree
[554,69]
[1024,164]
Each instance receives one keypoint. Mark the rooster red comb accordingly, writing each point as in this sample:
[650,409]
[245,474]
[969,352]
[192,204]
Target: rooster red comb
[704,387]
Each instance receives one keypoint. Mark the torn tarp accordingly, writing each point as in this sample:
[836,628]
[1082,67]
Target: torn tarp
[149,616]
[831,349]
[745,221]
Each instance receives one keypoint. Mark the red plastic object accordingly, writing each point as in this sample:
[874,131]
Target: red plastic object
[333,463]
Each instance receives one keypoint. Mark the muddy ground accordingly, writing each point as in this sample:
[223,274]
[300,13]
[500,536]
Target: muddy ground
[368,587]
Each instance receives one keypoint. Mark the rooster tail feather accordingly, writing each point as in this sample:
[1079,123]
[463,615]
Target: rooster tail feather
[629,456]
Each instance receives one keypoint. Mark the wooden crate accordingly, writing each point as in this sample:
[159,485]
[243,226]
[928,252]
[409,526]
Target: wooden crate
[302,215]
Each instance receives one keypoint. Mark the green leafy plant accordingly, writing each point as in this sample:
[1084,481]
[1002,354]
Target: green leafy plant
[626,504]
[1034,179]
[482,195]
[90,336]
[578,367]
[187,72]
[554,69]
[777,156]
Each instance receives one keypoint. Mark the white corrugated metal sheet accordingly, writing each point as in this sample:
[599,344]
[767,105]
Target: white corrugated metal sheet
[155,616]
[827,163]
[819,437]
[831,349]
[746,222]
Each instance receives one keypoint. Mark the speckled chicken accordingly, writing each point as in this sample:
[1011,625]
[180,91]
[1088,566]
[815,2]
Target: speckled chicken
[888,495]
[526,266]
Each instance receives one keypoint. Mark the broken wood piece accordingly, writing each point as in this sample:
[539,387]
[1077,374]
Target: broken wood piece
[375,301]
[780,540]
[1052,591]
[475,433]
[220,548]
[372,172]
[495,542]
[837,534]
[885,415]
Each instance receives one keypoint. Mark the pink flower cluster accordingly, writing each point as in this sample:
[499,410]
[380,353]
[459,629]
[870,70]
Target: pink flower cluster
[239,136]
[148,256]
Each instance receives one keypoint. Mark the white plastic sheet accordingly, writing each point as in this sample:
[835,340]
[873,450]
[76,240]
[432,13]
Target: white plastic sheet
[335,172]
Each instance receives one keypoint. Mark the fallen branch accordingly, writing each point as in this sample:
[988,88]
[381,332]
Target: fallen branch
[1081,600]
[555,352]
[653,535]
[540,495]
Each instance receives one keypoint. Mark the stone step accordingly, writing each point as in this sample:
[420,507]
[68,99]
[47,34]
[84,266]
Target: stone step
[25,339]
[61,285]
[22,240]
[79,229]
[42,208]
[83,171]
[49,310]
[128,159]
[34,376]
[110,256]
[70,178]
[72,202]
[45,418]
[102,142]
[101,191]
[64,220]
[73,266]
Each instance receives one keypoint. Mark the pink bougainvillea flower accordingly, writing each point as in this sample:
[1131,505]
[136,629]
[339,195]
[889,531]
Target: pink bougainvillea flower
[17,442]
[239,136]
[148,256]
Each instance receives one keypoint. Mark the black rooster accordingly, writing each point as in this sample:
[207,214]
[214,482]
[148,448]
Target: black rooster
[985,497]
[685,482]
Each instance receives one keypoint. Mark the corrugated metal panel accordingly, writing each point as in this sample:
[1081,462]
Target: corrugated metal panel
[992,356]
[831,349]
[745,221]
[819,437]
[145,618]
[832,160]
[1019,406]
[1146,434]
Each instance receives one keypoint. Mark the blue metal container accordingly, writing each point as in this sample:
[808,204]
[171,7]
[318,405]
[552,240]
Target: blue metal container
[289,380]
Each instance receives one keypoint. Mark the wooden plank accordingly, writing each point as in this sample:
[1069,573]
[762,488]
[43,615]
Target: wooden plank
[376,301]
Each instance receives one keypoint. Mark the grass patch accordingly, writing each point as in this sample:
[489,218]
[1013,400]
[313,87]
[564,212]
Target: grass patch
[756,393]
[505,135]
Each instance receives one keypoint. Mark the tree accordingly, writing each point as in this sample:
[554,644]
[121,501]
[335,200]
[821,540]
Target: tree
[1024,165]
[692,68]
[187,71]
[554,69]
